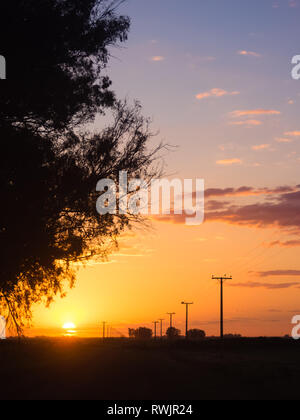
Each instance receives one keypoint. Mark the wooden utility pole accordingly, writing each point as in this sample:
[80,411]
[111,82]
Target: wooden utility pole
[155,328]
[222,279]
[103,329]
[187,304]
[161,328]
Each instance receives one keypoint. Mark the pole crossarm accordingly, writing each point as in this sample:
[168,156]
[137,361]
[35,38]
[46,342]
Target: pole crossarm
[222,278]
[171,314]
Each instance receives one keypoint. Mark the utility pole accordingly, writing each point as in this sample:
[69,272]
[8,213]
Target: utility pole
[155,328]
[103,330]
[221,280]
[161,328]
[187,304]
[171,318]
[108,331]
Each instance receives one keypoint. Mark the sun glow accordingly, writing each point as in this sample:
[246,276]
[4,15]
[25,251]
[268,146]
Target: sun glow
[69,326]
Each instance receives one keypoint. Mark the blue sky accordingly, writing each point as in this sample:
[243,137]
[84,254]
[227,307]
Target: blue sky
[197,44]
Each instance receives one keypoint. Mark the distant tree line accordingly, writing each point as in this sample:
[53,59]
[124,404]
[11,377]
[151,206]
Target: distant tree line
[143,333]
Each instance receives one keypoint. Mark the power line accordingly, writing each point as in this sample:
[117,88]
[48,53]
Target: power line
[222,279]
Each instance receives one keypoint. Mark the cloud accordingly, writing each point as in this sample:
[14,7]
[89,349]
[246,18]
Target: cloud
[285,244]
[279,208]
[293,4]
[216,205]
[283,140]
[279,211]
[215,93]
[247,191]
[292,133]
[229,162]
[252,112]
[249,53]
[261,147]
[249,123]
[270,286]
[276,273]
[158,58]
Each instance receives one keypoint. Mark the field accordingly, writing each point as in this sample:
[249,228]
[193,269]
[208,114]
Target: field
[125,370]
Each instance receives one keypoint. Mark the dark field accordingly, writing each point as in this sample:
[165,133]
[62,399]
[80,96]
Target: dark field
[124,370]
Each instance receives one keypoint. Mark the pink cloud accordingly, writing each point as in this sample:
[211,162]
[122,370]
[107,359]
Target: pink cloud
[270,286]
[276,273]
[253,112]
[261,147]
[157,58]
[215,93]
[249,53]
[249,123]
[292,133]
[229,162]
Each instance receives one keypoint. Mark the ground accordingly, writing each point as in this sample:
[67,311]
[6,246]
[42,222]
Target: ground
[128,370]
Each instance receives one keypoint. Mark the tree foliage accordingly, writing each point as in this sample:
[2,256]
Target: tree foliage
[141,333]
[196,334]
[173,332]
[50,164]
[56,53]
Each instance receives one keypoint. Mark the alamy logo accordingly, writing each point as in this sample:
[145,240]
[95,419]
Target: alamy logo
[296,329]
[159,197]
[296,69]
[2,67]
[2,328]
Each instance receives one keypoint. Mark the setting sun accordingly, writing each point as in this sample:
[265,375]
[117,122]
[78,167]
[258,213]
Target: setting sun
[69,326]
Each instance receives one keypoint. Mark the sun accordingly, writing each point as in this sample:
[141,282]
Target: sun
[69,326]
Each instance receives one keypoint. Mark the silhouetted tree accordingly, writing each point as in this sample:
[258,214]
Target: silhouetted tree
[196,334]
[143,333]
[56,51]
[172,333]
[131,332]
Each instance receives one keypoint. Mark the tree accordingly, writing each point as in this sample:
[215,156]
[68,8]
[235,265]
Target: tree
[143,333]
[173,333]
[196,334]
[56,52]
[49,220]
[50,168]
[131,332]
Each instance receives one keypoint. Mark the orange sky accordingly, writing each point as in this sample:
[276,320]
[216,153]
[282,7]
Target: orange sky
[219,86]
[159,269]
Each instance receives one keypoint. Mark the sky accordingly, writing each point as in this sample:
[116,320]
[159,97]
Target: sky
[215,78]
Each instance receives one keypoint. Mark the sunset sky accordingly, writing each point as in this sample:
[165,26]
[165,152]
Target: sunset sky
[215,77]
